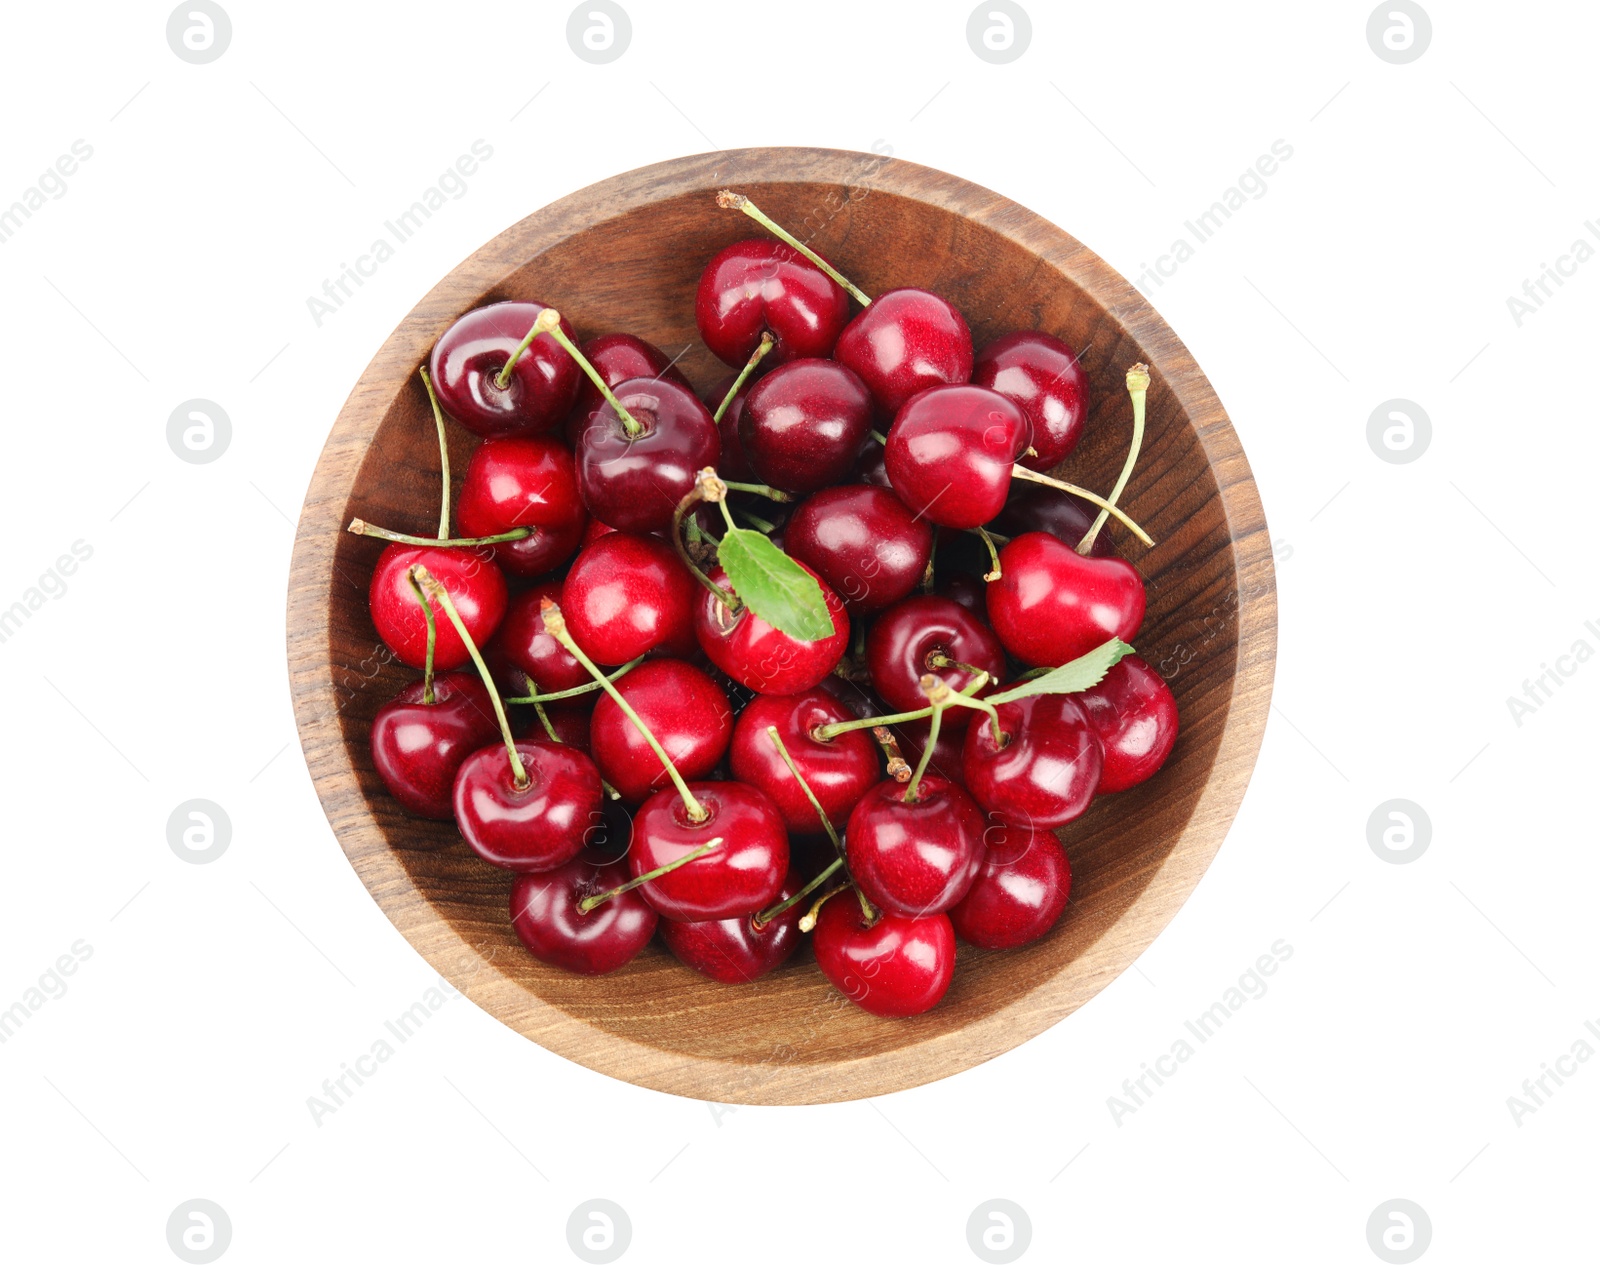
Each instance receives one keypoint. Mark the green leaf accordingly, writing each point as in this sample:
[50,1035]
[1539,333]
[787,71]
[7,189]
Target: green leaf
[1071,678]
[774,586]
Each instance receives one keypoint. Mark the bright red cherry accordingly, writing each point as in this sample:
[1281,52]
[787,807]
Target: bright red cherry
[1051,604]
[523,482]
[1045,769]
[633,482]
[617,358]
[683,707]
[1040,373]
[915,858]
[906,341]
[545,916]
[417,747]
[803,424]
[928,634]
[530,828]
[950,453]
[627,595]
[863,543]
[475,585]
[839,771]
[1020,892]
[759,656]
[896,967]
[523,644]
[468,359]
[1136,717]
[738,950]
[741,875]
[1035,507]
[761,286]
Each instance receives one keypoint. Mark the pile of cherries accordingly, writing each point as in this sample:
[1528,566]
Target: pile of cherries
[674,654]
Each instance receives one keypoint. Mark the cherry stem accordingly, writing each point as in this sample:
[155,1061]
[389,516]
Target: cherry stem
[938,659]
[427,662]
[939,696]
[549,322]
[985,706]
[783,751]
[544,719]
[727,515]
[898,769]
[994,557]
[444,455]
[868,913]
[760,524]
[437,591]
[758,489]
[706,487]
[589,687]
[762,348]
[880,437]
[761,919]
[1033,476]
[729,200]
[556,625]
[588,903]
[360,527]
[1138,385]
[825,733]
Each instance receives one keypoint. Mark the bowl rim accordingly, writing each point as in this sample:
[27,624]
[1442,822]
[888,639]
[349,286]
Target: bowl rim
[334,775]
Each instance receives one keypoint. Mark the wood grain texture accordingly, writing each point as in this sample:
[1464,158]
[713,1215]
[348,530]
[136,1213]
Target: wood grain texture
[625,254]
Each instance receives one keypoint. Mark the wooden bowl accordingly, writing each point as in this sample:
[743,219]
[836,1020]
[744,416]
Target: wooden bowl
[625,254]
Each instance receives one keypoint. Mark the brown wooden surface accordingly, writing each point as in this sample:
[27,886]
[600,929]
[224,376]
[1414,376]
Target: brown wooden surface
[625,254]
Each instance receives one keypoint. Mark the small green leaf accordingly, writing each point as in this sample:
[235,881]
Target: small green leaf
[1071,678]
[774,586]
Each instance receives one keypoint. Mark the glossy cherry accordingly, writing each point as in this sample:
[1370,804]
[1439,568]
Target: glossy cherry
[1136,717]
[523,644]
[617,358]
[896,967]
[531,828]
[1042,375]
[523,482]
[1035,507]
[1046,767]
[951,451]
[467,361]
[1020,892]
[914,638]
[475,585]
[915,858]
[760,286]
[731,463]
[417,747]
[906,341]
[545,916]
[683,707]
[869,465]
[627,595]
[570,721]
[759,656]
[839,771]
[738,950]
[803,424]
[863,543]
[741,875]
[634,482]
[1051,604]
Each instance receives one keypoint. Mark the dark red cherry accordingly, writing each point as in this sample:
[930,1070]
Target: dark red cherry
[417,747]
[839,771]
[803,424]
[739,876]
[1136,717]
[523,482]
[1035,507]
[1020,892]
[1051,604]
[917,858]
[863,542]
[759,656]
[617,358]
[531,828]
[896,967]
[476,587]
[731,464]
[1040,373]
[915,637]
[627,595]
[1045,769]
[683,707]
[571,723]
[906,341]
[737,950]
[965,590]
[762,286]
[634,482]
[950,453]
[467,361]
[544,914]
[523,644]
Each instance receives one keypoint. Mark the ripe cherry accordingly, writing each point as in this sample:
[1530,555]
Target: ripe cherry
[803,424]
[951,452]
[906,341]
[917,857]
[617,358]
[863,543]
[1042,375]
[1045,768]
[738,876]
[475,584]
[758,286]
[523,644]
[740,949]
[895,967]
[839,771]
[627,595]
[417,746]
[927,634]
[683,707]
[1136,717]
[468,364]
[1020,892]
[545,916]
[869,466]
[523,482]
[759,656]
[731,461]
[633,471]
[530,827]
[1051,604]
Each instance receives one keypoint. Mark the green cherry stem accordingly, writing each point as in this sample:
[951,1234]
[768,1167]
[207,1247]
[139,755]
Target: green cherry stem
[823,733]
[761,919]
[549,322]
[1138,381]
[833,835]
[760,524]
[762,348]
[427,662]
[939,695]
[588,903]
[360,527]
[437,591]
[759,489]
[707,487]
[729,200]
[577,691]
[544,719]
[994,557]
[897,768]
[444,455]
[1033,476]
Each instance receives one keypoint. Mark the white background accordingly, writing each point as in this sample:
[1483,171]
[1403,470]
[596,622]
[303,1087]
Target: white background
[1414,599]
